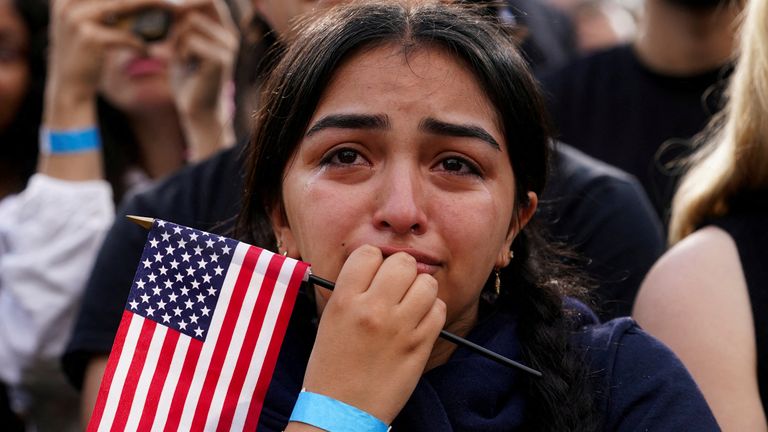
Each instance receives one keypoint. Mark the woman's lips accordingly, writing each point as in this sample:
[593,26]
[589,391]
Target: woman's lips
[144,66]
[425,263]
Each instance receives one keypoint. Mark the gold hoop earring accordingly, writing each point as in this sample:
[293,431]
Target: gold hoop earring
[497,283]
[285,253]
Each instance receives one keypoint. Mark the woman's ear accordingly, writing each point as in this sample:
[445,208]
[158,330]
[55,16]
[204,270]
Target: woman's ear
[521,218]
[286,244]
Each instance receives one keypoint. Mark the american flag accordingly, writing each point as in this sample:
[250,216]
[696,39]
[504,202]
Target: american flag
[200,334]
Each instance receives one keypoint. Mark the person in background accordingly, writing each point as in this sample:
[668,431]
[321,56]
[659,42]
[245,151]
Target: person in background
[404,162]
[706,297]
[23,36]
[628,105]
[104,77]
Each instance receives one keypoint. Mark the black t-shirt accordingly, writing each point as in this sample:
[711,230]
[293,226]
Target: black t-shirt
[597,209]
[612,107]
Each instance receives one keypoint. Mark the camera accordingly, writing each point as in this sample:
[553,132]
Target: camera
[150,24]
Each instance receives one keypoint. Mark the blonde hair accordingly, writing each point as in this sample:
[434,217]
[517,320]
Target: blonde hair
[734,149]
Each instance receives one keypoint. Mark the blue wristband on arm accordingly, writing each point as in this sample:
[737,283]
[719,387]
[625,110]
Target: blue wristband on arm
[333,416]
[69,141]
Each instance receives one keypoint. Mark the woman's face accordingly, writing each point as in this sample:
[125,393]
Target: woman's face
[134,81]
[406,155]
[14,69]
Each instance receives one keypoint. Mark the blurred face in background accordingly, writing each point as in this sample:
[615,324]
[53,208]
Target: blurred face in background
[14,68]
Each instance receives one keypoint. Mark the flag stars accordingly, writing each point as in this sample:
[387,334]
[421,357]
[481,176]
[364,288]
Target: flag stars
[188,304]
[214,257]
[184,291]
[140,284]
[195,284]
[160,222]
[209,243]
[166,318]
[166,236]
[152,277]
[134,304]
[154,243]
[168,284]
[177,311]
[193,319]
[158,257]
[206,278]
[177,230]
[211,291]
[161,304]
[182,243]
[172,297]
[156,290]
[144,298]
[205,311]
[182,325]
[190,271]
[150,311]
[169,250]
[201,264]
[178,277]
[199,332]
[163,270]
[147,263]
[174,264]
[226,250]
[200,298]
[198,250]
[185,257]
[219,271]
[193,236]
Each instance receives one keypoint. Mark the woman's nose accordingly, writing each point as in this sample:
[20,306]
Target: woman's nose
[401,203]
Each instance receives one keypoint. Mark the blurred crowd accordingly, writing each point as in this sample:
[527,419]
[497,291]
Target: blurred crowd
[658,190]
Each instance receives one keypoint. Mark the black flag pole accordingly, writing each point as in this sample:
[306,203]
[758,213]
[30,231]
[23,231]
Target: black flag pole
[146,223]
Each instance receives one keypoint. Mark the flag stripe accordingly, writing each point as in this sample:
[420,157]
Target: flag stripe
[158,380]
[121,371]
[109,371]
[134,372]
[171,382]
[276,340]
[146,376]
[252,335]
[194,419]
[182,388]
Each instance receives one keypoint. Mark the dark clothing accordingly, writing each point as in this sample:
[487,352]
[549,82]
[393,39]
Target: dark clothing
[746,224]
[550,41]
[207,194]
[612,107]
[643,386]
[603,214]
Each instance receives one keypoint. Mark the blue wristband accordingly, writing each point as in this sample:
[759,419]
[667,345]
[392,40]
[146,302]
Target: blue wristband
[71,141]
[333,416]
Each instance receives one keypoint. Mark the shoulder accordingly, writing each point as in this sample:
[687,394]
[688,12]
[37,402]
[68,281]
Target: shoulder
[576,171]
[640,383]
[699,276]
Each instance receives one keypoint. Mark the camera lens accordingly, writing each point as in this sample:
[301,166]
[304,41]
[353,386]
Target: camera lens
[152,24]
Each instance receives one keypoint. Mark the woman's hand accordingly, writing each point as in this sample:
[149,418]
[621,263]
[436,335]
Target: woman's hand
[80,36]
[206,41]
[376,333]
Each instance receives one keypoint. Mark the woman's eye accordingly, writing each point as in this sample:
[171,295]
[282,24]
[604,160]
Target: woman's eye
[345,156]
[458,165]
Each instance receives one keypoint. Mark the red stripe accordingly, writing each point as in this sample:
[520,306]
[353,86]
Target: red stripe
[249,343]
[158,379]
[134,373]
[225,337]
[182,386]
[109,372]
[262,384]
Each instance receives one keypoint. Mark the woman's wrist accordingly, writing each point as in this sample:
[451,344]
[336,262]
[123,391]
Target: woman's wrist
[329,414]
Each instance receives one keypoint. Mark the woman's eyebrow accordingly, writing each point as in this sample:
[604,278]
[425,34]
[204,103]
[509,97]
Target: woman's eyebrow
[439,127]
[350,121]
